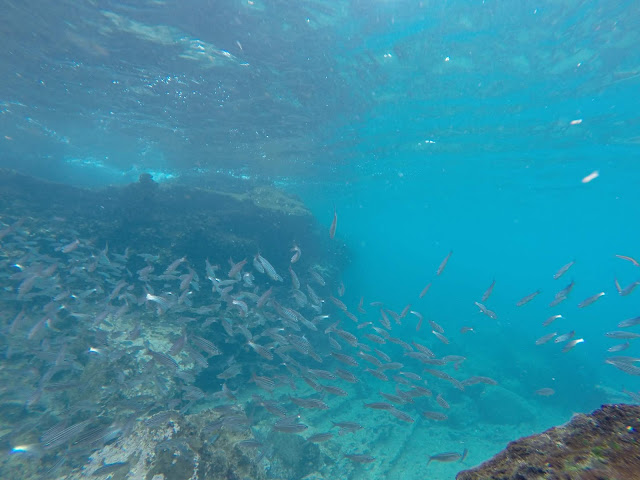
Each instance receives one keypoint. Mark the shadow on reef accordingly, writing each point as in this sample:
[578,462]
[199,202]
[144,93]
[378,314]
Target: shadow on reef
[604,445]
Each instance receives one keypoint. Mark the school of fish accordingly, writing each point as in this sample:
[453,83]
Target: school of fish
[126,335]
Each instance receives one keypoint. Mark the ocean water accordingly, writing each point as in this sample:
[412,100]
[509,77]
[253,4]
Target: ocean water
[148,148]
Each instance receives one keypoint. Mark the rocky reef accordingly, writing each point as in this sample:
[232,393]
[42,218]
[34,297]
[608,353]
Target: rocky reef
[226,219]
[602,445]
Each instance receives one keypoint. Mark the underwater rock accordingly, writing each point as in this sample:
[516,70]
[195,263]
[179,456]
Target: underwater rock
[602,445]
[171,218]
[296,457]
[178,448]
[504,407]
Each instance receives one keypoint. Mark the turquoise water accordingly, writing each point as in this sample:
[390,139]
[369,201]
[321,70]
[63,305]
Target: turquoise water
[429,127]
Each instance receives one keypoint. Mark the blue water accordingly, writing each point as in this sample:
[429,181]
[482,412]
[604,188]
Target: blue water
[429,127]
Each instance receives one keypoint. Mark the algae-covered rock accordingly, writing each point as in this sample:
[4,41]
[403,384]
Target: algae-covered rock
[602,445]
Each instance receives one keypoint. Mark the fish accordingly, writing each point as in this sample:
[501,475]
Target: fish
[564,269]
[419,317]
[334,224]
[346,375]
[629,259]
[348,426]
[400,415]
[489,313]
[562,295]
[264,352]
[545,392]
[425,290]
[378,406]
[630,322]
[588,301]
[551,319]
[569,345]
[488,292]
[290,427]
[446,457]
[564,337]
[361,306]
[628,289]
[268,269]
[435,326]
[294,279]
[620,347]
[359,457]
[320,437]
[297,253]
[442,402]
[444,263]
[69,247]
[440,337]
[334,390]
[526,299]
[544,339]
[174,265]
[622,335]
[437,416]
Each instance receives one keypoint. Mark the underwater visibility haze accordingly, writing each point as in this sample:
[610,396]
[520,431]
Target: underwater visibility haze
[347,239]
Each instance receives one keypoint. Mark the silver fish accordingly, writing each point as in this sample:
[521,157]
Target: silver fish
[563,270]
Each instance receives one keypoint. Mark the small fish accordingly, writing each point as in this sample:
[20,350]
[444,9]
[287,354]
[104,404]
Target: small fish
[467,330]
[488,292]
[296,254]
[572,344]
[622,335]
[69,247]
[425,290]
[588,301]
[290,427]
[435,326]
[361,306]
[546,338]
[440,337]
[545,392]
[620,347]
[629,259]
[378,406]
[442,402]
[628,289]
[175,264]
[563,270]
[562,295]
[268,269]
[264,352]
[359,457]
[437,416]
[630,322]
[320,437]
[528,298]
[348,426]
[419,317]
[400,415]
[489,313]
[551,319]
[444,263]
[334,224]
[445,457]
[564,337]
